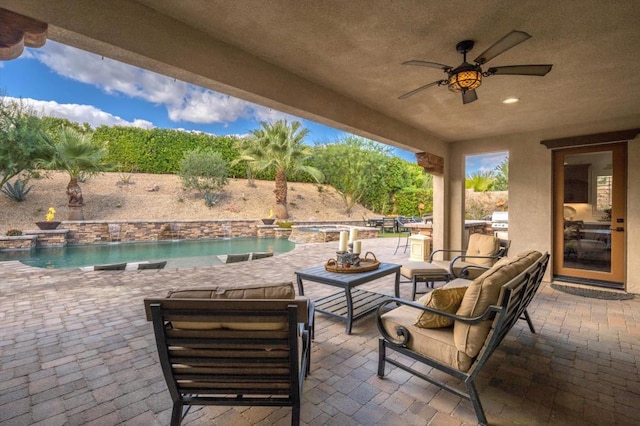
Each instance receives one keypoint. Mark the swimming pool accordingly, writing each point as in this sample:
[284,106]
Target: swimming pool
[178,254]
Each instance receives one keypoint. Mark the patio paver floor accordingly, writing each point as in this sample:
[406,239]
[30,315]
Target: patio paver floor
[76,349]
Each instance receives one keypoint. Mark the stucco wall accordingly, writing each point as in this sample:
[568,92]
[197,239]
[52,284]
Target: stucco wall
[633,217]
[530,195]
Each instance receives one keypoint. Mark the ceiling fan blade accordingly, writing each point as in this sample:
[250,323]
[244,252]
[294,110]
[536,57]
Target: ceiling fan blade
[421,88]
[505,43]
[539,70]
[443,67]
[469,96]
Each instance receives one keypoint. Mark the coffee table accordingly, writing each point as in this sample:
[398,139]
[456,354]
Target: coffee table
[352,303]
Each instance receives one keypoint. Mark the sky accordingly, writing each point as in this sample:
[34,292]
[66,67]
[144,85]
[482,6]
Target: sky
[62,81]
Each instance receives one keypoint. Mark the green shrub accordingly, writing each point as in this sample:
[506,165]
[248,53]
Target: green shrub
[16,192]
[284,224]
[203,170]
[14,233]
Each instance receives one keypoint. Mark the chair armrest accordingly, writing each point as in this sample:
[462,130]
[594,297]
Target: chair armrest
[463,258]
[444,251]
[311,324]
[403,333]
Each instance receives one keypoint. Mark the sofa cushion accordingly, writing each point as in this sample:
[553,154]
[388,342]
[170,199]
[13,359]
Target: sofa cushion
[435,343]
[482,245]
[282,290]
[483,292]
[447,300]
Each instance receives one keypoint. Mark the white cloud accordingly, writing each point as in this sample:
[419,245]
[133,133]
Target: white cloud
[79,113]
[184,102]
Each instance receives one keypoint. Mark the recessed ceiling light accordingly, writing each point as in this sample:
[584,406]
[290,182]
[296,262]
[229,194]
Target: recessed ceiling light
[510,101]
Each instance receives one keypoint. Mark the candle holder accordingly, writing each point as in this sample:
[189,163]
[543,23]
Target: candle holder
[349,262]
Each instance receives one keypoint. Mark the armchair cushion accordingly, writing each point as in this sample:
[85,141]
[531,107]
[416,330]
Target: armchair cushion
[283,290]
[244,291]
[447,300]
[435,343]
[482,245]
[483,292]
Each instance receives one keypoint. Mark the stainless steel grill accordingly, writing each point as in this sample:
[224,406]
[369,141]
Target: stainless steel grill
[500,221]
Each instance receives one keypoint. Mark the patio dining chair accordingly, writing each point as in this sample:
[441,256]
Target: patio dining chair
[403,231]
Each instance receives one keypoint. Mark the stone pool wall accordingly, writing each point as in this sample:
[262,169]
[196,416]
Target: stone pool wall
[92,232]
[316,233]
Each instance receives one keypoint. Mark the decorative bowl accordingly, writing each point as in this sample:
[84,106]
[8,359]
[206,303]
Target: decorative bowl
[48,225]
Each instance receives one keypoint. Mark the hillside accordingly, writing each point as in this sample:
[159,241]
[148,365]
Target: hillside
[107,198]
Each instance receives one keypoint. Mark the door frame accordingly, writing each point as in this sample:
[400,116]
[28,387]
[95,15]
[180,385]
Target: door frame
[616,277]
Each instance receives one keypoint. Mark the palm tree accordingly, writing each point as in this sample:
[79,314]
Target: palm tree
[480,181]
[279,146]
[76,153]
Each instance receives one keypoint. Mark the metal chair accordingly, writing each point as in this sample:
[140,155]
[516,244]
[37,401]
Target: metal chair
[403,231]
[242,352]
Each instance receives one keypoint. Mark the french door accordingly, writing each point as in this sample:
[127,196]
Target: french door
[590,214]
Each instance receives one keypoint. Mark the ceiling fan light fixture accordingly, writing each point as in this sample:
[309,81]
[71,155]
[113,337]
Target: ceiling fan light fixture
[465,80]
[510,101]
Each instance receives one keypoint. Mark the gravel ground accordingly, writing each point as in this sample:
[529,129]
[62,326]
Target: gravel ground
[106,197]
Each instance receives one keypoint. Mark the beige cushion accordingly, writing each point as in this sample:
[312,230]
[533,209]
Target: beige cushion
[282,290]
[409,269]
[482,245]
[483,292]
[446,300]
[434,343]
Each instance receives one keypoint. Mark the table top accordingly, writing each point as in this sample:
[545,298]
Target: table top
[321,275]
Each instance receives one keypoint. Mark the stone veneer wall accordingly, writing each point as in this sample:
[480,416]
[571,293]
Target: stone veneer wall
[90,232]
[21,242]
[87,232]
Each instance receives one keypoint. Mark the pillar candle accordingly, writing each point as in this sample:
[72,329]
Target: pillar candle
[353,235]
[357,247]
[342,246]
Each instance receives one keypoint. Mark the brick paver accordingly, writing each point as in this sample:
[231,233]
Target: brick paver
[76,349]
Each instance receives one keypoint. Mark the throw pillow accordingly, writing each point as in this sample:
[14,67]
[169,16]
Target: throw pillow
[442,299]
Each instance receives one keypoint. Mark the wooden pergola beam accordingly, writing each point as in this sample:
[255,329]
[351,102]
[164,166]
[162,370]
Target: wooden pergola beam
[430,163]
[18,31]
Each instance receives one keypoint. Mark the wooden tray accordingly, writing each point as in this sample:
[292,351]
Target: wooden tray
[367,264]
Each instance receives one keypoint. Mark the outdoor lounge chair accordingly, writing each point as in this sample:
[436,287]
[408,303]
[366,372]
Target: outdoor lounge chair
[111,267]
[261,255]
[234,258]
[152,265]
[233,346]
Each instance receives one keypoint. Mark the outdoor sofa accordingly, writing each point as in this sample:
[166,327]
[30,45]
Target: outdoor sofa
[455,329]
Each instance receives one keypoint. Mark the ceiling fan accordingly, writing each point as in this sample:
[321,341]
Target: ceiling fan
[467,77]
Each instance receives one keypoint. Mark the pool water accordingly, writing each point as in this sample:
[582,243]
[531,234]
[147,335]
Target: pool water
[178,254]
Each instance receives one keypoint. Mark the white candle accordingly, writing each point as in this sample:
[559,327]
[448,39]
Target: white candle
[342,246]
[353,235]
[357,247]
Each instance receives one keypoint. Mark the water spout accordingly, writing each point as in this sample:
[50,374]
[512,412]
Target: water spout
[114,232]
[174,228]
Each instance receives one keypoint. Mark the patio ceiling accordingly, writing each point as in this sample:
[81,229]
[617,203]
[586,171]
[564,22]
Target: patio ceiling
[344,58]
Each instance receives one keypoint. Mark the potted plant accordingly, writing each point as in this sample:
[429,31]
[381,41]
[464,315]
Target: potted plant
[49,223]
[270,219]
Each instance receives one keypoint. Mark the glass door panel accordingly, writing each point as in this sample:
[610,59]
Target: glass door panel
[590,208]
